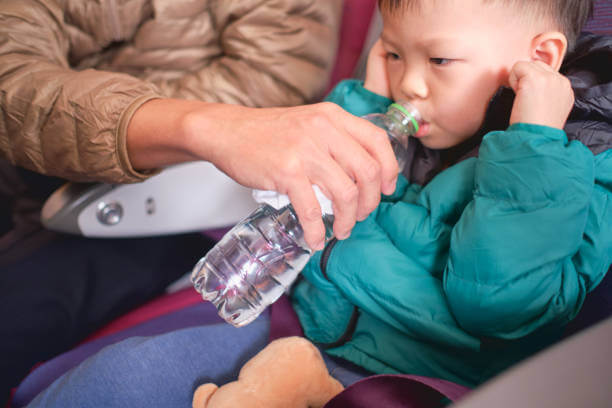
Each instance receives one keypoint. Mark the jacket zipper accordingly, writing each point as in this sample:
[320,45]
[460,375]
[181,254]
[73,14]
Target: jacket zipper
[325,256]
[352,323]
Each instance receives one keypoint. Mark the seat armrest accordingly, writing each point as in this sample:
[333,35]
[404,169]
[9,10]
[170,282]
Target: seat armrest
[183,198]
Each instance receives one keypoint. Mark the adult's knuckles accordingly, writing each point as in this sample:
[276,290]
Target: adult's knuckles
[349,193]
[378,135]
[329,107]
[370,171]
[311,215]
[290,167]
[318,122]
[368,203]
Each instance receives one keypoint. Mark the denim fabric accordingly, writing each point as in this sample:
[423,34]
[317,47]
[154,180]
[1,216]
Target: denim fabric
[164,370]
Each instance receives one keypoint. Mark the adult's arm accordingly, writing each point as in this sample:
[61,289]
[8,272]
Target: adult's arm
[282,149]
[72,123]
[56,120]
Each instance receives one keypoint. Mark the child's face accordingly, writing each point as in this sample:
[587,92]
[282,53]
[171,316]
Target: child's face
[448,58]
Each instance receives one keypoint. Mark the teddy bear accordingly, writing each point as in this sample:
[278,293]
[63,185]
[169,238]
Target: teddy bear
[288,372]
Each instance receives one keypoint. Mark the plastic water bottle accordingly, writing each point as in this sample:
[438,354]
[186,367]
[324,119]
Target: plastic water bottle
[260,257]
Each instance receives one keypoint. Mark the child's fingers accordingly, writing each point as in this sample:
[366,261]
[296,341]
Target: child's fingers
[524,69]
[377,50]
[543,96]
[520,70]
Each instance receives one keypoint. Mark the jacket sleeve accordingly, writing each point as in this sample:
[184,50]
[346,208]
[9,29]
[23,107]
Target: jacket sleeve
[537,236]
[272,53]
[52,114]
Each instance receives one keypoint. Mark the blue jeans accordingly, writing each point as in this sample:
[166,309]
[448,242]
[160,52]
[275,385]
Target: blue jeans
[164,370]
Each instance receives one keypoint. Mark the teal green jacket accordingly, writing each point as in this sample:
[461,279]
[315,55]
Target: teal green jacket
[482,266]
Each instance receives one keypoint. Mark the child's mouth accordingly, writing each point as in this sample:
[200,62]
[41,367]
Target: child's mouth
[423,130]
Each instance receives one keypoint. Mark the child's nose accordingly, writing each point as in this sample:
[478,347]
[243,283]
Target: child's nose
[413,85]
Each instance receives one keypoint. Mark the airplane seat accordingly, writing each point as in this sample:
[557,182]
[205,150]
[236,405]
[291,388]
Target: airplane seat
[183,307]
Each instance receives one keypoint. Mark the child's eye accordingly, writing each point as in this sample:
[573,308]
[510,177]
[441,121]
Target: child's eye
[440,61]
[392,56]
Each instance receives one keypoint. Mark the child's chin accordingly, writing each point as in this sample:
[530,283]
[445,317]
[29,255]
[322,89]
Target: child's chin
[439,142]
[432,142]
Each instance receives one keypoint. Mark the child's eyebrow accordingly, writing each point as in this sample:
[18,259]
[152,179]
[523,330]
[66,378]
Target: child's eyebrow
[425,42]
[438,41]
[385,39]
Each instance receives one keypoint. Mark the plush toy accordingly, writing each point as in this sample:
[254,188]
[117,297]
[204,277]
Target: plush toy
[289,372]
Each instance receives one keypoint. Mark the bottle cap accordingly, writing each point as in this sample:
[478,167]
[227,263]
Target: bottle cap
[409,114]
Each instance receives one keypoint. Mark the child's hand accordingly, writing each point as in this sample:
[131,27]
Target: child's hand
[543,96]
[377,80]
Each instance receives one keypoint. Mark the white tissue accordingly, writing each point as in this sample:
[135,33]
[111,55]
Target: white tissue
[278,201]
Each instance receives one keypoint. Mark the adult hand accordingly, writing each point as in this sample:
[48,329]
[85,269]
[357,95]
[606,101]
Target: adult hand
[543,96]
[377,78]
[282,149]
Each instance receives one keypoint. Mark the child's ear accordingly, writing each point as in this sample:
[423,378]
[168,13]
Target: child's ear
[550,48]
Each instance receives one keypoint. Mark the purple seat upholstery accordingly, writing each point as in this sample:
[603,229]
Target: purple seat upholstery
[601,23]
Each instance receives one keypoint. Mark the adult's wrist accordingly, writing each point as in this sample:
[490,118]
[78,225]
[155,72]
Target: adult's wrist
[207,128]
[122,140]
[161,133]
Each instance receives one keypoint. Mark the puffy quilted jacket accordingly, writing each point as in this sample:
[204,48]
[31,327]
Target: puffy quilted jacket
[487,262]
[72,72]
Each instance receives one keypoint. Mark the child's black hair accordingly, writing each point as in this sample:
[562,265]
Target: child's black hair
[570,15]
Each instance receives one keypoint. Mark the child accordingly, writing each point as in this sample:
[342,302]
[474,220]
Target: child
[462,274]
[487,248]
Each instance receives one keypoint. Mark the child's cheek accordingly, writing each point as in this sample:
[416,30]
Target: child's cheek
[463,122]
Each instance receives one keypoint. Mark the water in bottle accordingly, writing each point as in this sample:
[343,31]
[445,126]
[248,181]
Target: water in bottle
[260,257]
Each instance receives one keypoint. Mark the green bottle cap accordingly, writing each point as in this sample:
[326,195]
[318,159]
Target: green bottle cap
[408,114]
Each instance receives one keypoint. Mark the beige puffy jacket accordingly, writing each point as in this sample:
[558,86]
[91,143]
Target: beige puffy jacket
[72,72]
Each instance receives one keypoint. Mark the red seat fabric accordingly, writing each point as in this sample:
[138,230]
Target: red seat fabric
[155,308]
[356,19]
